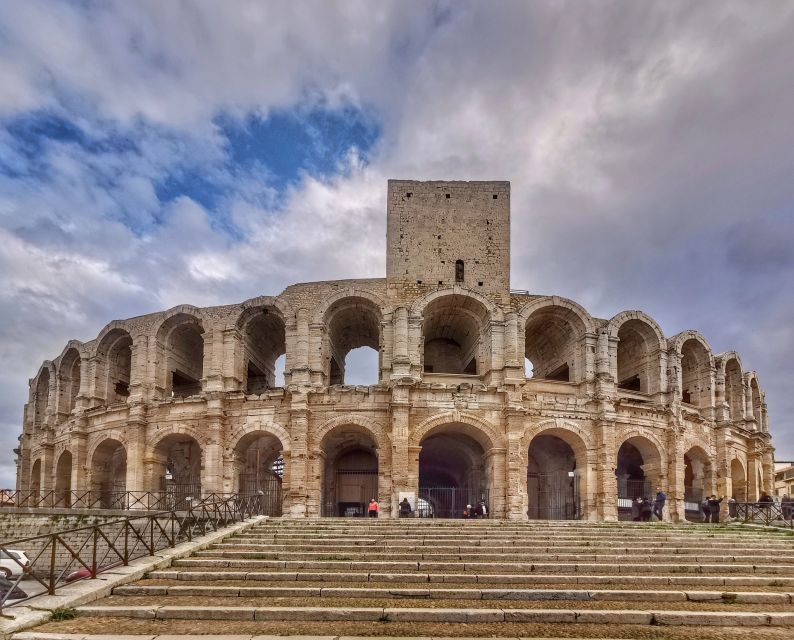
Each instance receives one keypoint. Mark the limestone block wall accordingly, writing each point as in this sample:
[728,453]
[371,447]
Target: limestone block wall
[452,405]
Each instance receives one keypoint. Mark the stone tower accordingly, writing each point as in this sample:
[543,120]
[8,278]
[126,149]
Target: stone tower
[447,233]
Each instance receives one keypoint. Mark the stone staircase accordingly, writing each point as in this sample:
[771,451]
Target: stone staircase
[426,578]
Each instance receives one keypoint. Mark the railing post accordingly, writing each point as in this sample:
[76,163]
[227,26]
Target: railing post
[51,589]
[93,551]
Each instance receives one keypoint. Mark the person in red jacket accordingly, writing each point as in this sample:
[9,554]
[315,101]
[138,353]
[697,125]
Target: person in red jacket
[373,508]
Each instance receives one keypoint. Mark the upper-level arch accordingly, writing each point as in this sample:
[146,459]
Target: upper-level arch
[755,410]
[42,392]
[180,350]
[697,364]
[553,329]
[454,327]
[641,344]
[264,340]
[730,366]
[113,365]
[352,319]
[68,381]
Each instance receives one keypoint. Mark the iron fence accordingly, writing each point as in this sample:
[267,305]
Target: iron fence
[553,496]
[448,502]
[84,552]
[779,514]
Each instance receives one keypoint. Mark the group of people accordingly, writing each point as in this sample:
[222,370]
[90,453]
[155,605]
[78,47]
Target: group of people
[643,508]
[480,511]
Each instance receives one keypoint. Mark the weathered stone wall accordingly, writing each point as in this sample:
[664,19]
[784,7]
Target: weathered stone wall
[698,420]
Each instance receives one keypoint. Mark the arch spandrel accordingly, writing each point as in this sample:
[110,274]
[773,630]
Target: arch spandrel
[374,429]
[481,430]
[613,326]
[251,427]
[327,306]
[676,343]
[550,302]
[492,311]
[579,439]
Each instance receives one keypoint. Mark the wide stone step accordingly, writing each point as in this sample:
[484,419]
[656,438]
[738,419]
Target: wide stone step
[198,575]
[506,566]
[752,597]
[585,555]
[468,615]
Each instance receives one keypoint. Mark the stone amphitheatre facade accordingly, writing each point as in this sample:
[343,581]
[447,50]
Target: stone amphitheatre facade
[187,400]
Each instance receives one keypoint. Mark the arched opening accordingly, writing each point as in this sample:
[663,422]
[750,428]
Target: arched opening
[755,394]
[734,397]
[638,472]
[63,480]
[109,475]
[695,374]
[183,341]
[42,397]
[264,342]
[114,366]
[697,482]
[177,464]
[551,343]
[350,472]
[69,381]
[553,480]
[259,466]
[452,328]
[35,482]
[738,481]
[453,471]
[353,339]
[638,357]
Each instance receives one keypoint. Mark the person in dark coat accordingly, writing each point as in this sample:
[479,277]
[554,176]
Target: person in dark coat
[787,507]
[405,508]
[636,509]
[714,508]
[658,503]
[646,510]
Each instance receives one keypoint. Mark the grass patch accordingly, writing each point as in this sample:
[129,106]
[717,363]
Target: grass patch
[63,613]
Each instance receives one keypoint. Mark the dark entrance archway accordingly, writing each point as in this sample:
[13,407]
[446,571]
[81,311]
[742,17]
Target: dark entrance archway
[553,481]
[637,474]
[452,475]
[109,474]
[350,473]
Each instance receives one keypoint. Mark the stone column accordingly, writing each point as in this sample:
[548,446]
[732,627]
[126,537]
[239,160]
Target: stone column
[675,470]
[495,461]
[142,370]
[212,451]
[136,449]
[721,409]
[298,489]
[400,456]
[516,504]
[83,400]
[401,363]
[513,359]
[80,462]
[232,365]
[722,470]
[606,489]
[497,360]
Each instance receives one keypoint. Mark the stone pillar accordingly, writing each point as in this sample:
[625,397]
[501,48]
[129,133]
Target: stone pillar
[495,461]
[400,456]
[212,380]
[768,469]
[412,470]
[142,369]
[232,365]
[721,409]
[606,489]
[136,450]
[401,363]
[753,488]
[516,504]
[495,374]
[47,466]
[416,345]
[513,359]
[212,451]
[299,488]
[722,470]
[675,470]
[83,400]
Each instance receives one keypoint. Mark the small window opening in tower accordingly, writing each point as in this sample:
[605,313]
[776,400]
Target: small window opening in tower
[479,284]
[408,195]
[459,271]
[447,195]
[495,196]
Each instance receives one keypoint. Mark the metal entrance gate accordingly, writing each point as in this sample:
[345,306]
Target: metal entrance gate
[448,502]
[554,496]
[177,491]
[265,484]
[351,493]
[630,490]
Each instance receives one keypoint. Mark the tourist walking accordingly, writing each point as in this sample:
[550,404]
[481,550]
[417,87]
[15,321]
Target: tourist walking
[467,512]
[658,503]
[714,508]
[481,510]
[373,508]
[405,508]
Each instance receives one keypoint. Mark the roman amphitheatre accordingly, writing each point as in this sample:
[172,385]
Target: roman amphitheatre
[483,393]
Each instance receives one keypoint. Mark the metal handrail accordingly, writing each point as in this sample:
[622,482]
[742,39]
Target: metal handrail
[99,547]
[779,514]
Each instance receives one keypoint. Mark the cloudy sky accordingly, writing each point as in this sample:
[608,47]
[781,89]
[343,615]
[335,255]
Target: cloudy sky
[158,153]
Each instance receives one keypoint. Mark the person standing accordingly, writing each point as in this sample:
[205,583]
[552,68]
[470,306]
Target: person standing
[482,510]
[373,508]
[405,508]
[658,503]
[714,508]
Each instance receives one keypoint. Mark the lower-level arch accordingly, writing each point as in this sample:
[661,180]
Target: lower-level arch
[638,472]
[698,481]
[738,481]
[35,480]
[349,471]
[108,474]
[63,480]
[455,471]
[257,467]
